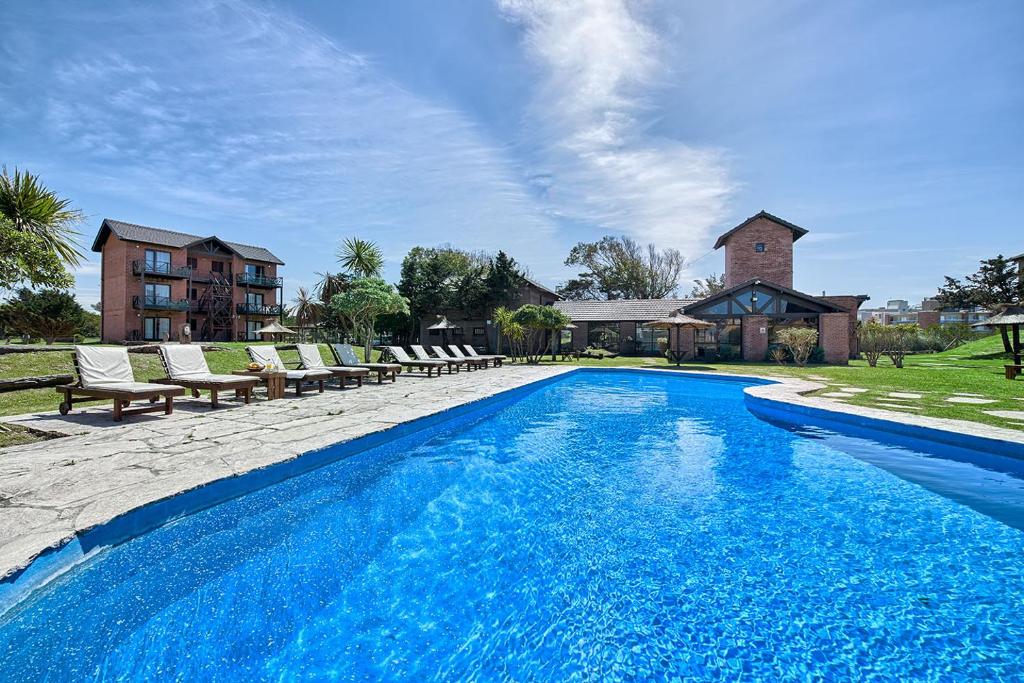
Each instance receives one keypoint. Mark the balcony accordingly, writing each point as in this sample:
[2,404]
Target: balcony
[160,269]
[253,280]
[163,303]
[259,309]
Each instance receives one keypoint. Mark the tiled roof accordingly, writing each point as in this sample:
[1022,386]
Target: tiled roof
[541,287]
[172,238]
[640,310]
[798,232]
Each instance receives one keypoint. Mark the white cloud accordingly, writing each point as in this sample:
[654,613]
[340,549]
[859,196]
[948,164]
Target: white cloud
[600,67]
[229,117]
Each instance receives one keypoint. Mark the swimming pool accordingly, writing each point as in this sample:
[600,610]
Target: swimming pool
[608,525]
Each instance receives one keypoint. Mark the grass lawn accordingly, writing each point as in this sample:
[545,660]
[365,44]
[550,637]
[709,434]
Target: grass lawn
[976,368]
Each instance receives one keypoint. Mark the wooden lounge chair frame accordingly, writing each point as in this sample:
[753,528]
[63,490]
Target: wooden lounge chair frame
[318,378]
[382,369]
[341,373]
[496,358]
[428,365]
[242,390]
[471,363]
[450,362]
[76,393]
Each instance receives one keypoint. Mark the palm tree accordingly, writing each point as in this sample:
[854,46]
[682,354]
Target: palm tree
[504,320]
[361,257]
[306,310]
[33,208]
[331,284]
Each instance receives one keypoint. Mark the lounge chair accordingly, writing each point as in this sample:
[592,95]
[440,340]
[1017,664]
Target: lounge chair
[268,355]
[421,354]
[471,363]
[186,367]
[457,352]
[106,372]
[495,358]
[345,355]
[402,358]
[310,358]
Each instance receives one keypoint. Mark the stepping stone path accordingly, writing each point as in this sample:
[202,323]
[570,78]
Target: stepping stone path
[902,394]
[900,406]
[969,399]
[964,393]
[854,390]
[817,378]
[1006,414]
[837,394]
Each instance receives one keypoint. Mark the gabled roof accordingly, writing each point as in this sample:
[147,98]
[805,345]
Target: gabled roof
[537,285]
[693,306]
[639,310]
[130,232]
[798,232]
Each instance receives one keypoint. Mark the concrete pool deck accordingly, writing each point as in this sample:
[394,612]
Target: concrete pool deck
[51,491]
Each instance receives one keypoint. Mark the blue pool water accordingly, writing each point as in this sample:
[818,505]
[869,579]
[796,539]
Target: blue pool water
[606,526]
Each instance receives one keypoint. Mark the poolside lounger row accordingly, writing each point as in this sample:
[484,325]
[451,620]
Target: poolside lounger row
[106,373]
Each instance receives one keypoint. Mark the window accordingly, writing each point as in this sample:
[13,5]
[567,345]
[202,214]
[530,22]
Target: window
[192,262]
[217,266]
[157,294]
[479,331]
[253,269]
[651,341]
[254,299]
[456,331]
[434,333]
[158,261]
[250,330]
[156,328]
[759,247]
[604,336]
[193,293]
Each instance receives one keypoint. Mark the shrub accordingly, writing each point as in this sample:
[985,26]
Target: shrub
[799,341]
[871,336]
[778,354]
[817,356]
[898,340]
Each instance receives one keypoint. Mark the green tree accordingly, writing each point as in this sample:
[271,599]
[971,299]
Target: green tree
[708,286]
[331,284]
[25,259]
[898,340]
[799,341]
[503,280]
[540,324]
[871,340]
[363,303]
[361,258]
[437,280]
[504,320]
[48,313]
[996,282]
[619,268]
[33,208]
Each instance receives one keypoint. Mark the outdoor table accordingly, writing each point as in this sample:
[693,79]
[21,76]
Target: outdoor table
[274,380]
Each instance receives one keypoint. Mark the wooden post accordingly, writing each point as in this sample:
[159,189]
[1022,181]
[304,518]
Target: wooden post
[1016,344]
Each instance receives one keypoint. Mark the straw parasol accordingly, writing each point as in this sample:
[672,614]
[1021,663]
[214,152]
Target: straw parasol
[678,321]
[274,328]
[444,325]
[1013,317]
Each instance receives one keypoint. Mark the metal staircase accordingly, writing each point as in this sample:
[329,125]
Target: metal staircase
[217,301]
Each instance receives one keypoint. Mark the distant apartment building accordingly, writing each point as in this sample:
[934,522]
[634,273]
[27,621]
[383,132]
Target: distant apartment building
[928,313]
[154,282]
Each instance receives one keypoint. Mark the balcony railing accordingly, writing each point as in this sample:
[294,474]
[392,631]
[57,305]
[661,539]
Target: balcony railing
[254,280]
[165,303]
[259,309]
[160,268]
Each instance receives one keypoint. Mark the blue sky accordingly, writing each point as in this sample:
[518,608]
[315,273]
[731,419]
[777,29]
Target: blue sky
[892,131]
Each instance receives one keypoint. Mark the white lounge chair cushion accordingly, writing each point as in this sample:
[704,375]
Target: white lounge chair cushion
[402,357]
[185,361]
[421,353]
[264,355]
[309,356]
[103,365]
[141,388]
[309,374]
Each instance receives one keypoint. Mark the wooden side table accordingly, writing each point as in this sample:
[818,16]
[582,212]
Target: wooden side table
[274,380]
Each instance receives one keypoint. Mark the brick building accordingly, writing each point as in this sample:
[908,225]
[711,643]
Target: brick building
[153,282]
[757,302]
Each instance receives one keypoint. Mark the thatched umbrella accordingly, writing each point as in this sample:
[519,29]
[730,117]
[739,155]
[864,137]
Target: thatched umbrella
[1013,317]
[678,321]
[444,325]
[274,328]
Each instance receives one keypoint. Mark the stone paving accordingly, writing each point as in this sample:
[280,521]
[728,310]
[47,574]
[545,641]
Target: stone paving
[51,490]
